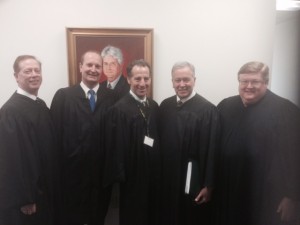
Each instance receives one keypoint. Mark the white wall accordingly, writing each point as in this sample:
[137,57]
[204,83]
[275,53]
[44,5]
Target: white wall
[286,61]
[216,36]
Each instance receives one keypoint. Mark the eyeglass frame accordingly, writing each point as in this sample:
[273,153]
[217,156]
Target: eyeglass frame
[254,83]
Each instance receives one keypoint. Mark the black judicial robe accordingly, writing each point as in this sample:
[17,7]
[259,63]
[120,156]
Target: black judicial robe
[28,162]
[132,163]
[259,157]
[81,140]
[189,132]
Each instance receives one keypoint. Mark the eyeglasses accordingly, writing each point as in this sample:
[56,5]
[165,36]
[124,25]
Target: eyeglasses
[254,83]
[30,71]
[184,80]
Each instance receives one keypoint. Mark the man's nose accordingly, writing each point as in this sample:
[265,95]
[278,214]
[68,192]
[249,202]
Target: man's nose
[181,83]
[34,73]
[142,83]
[249,84]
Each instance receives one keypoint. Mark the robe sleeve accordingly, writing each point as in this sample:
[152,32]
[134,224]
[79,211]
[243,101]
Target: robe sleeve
[19,169]
[211,138]
[57,113]
[116,139]
[287,139]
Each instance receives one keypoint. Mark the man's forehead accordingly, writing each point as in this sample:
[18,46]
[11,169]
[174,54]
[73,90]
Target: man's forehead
[250,74]
[110,58]
[29,63]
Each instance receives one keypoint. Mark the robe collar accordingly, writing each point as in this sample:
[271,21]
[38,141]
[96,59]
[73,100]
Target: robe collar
[137,98]
[86,89]
[25,93]
[186,99]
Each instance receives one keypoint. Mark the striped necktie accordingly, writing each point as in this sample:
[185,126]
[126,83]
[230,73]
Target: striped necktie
[179,103]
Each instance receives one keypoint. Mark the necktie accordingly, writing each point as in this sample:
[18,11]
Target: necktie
[92,100]
[145,104]
[179,103]
[144,107]
[109,86]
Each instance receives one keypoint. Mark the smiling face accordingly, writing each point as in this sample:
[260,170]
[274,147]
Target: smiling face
[29,76]
[139,81]
[90,69]
[252,87]
[183,81]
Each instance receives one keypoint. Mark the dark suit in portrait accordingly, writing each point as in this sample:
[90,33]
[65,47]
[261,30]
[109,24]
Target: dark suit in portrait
[121,88]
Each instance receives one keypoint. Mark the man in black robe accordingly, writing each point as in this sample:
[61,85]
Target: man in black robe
[189,129]
[259,176]
[78,114]
[132,149]
[112,68]
[28,159]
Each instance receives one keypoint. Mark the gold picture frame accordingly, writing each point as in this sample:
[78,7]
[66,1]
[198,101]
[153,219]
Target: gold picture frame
[134,43]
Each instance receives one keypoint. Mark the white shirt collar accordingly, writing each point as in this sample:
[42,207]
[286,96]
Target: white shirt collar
[25,93]
[114,83]
[86,89]
[186,99]
[137,98]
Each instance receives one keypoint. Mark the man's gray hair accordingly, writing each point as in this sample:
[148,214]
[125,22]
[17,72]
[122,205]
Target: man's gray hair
[183,64]
[114,52]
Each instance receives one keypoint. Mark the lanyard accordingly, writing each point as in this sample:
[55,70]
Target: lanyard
[145,117]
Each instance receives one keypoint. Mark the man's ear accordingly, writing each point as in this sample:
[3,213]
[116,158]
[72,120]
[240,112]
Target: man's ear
[16,76]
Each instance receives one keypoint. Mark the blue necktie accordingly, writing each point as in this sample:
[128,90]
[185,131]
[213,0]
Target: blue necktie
[92,100]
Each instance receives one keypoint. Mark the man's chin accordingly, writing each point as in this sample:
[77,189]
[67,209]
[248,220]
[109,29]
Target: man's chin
[183,95]
[250,101]
[111,78]
[93,79]
[142,94]
[35,87]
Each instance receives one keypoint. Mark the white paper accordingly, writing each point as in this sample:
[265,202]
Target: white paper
[188,178]
[148,141]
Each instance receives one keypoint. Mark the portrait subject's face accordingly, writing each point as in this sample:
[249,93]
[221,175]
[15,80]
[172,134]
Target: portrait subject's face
[183,81]
[29,77]
[111,68]
[140,81]
[91,69]
[252,88]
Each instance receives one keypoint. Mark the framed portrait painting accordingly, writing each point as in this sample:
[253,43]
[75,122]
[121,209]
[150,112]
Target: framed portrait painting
[134,44]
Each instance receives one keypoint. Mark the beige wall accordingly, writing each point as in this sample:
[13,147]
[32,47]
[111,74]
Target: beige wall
[216,36]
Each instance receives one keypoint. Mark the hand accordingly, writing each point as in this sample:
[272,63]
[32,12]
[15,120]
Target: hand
[29,209]
[203,196]
[287,209]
